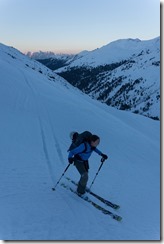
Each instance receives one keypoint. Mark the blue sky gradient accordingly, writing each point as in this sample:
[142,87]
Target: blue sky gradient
[70,26]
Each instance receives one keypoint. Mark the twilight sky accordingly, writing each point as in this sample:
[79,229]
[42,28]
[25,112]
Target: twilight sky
[70,26]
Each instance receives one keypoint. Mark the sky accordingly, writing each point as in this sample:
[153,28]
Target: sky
[71,26]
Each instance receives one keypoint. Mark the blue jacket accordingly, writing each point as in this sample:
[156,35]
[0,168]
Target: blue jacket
[79,151]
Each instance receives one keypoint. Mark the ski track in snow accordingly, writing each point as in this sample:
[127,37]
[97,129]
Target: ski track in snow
[40,104]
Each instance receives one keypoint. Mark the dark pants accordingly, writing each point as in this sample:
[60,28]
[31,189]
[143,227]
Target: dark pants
[82,167]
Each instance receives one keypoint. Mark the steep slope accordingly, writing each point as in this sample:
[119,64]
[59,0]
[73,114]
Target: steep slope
[116,51]
[124,74]
[37,113]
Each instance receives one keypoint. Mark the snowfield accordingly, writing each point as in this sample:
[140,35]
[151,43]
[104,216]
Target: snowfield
[38,110]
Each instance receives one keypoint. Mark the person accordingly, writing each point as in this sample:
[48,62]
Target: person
[80,155]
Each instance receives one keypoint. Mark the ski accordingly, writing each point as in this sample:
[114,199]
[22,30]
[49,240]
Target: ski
[98,207]
[106,202]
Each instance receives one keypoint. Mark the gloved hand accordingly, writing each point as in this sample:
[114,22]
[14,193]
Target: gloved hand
[71,160]
[104,157]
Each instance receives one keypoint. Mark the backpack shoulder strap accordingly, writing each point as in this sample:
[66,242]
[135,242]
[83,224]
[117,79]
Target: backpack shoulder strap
[85,147]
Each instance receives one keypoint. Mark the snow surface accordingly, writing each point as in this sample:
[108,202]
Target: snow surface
[37,114]
[116,51]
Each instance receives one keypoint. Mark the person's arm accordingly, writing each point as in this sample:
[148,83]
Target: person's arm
[104,156]
[98,151]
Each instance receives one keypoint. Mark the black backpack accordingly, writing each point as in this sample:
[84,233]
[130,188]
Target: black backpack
[78,139]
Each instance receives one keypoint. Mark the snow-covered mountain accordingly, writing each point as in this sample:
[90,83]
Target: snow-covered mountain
[55,61]
[51,59]
[124,74]
[118,51]
[38,110]
[46,55]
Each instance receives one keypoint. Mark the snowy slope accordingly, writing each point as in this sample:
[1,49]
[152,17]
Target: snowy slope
[115,51]
[124,74]
[37,113]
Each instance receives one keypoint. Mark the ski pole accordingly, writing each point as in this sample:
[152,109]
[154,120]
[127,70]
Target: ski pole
[102,161]
[61,177]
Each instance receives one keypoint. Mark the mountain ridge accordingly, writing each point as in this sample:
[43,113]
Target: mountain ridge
[124,74]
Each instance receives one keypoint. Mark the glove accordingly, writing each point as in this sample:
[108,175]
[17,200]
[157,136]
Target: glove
[71,160]
[104,157]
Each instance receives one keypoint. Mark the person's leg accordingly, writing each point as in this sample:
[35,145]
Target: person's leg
[82,183]
[84,177]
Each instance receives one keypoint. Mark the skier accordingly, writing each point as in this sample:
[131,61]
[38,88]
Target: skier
[80,156]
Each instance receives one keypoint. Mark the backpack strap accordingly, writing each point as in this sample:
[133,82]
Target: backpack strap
[85,147]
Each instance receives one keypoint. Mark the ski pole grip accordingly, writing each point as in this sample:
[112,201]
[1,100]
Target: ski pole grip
[102,160]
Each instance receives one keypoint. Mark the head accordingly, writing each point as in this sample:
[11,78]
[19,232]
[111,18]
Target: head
[94,140]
